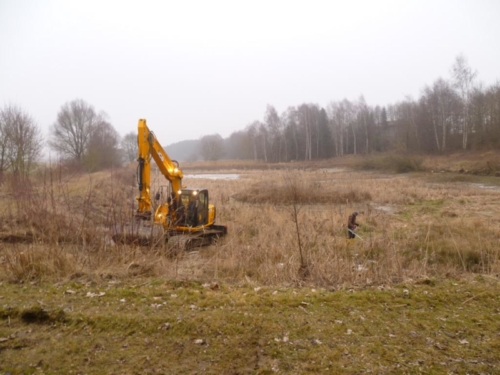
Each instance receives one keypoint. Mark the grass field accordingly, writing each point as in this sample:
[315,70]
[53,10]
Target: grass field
[283,292]
[154,326]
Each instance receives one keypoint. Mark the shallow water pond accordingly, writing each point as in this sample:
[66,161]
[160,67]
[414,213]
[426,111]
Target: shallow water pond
[214,176]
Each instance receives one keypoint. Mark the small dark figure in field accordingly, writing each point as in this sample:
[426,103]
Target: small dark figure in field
[352,225]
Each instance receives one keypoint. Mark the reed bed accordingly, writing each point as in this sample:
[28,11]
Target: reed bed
[279,222]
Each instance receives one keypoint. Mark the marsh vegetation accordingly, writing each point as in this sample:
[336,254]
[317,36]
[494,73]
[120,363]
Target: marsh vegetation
[284,291]
[414,226]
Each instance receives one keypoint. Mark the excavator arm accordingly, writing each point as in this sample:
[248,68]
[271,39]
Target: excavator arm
[149,147]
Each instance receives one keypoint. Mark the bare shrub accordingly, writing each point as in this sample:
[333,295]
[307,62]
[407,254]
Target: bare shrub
[399,163]
[304,191]
[59,224]
[26,263]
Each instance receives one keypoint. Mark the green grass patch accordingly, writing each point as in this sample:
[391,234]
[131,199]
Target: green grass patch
[437,327]
[431,206]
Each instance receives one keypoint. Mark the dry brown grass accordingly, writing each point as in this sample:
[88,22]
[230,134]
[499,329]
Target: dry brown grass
[411,229]
[276,190]
[472,161]
[87,305]
[430,230]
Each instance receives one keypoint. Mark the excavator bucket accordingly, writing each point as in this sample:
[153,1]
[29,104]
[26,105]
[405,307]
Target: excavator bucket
[139,232]
[144,233]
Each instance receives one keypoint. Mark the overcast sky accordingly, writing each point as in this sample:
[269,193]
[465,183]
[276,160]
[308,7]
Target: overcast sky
[193,68]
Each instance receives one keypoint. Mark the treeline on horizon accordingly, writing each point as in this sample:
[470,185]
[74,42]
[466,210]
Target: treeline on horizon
[451,114]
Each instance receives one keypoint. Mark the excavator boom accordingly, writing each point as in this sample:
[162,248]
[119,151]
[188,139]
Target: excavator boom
[149,147]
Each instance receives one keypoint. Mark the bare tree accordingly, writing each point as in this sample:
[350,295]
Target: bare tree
[5,145]
[363,120]
[21,143]
[212,147]
[288,122]
[304,118]
[492,114]
[325,143]
[252,132]
[272,122]
[407,111]
[441,100]
[71,133]
[294,188]
[129,146]
[263,135]
[336,126]
[342,115]
[238,146]
[463,79]
[102,149]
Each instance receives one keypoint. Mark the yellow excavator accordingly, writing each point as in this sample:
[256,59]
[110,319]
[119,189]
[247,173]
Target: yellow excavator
[185,219]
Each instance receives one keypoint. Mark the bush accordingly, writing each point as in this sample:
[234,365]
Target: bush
[397,163]
[273,193]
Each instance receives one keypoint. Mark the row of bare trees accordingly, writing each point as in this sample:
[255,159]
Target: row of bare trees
[299,133]
[309,132]
[453,114]
[81,136]
[458,113]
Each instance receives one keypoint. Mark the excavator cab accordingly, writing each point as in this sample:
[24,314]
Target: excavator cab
[194,220]
[193,209]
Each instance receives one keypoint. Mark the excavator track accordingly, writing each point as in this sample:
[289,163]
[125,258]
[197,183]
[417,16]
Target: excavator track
[143,233]
[188,241]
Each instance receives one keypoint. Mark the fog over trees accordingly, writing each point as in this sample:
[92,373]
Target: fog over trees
[451,114]
[457,113]
[129,146]
[212,147]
